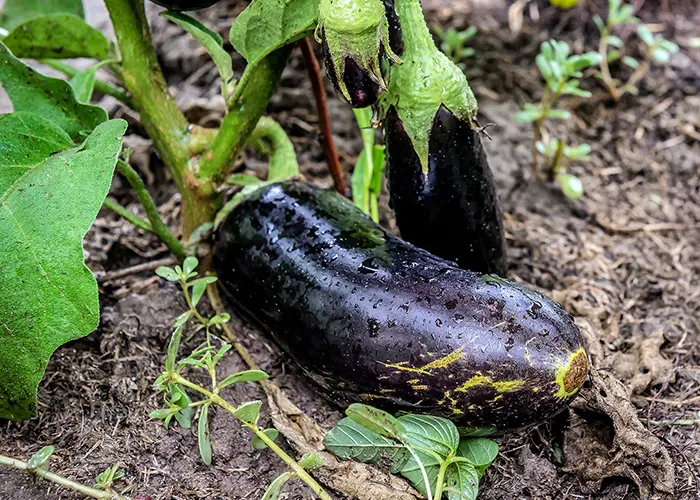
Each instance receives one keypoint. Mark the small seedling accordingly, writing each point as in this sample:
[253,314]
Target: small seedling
[562,73]
[655,48]
[453,43]
[558,156]
[176,387]
[425,449]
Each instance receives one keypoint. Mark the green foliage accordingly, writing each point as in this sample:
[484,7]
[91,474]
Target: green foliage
[16,12]
[426,450]
[212,43]
[266,25]
[57,36]
[453,43]
[105,479]
[274,491]
[367,174]
[559,155]
[259,444]
[204,436]
[47,294]
[40,459]
[50,98]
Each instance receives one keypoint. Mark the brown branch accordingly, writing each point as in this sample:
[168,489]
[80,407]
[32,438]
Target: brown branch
[323,117]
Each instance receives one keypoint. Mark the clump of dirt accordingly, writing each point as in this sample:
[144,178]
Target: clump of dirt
[623,259]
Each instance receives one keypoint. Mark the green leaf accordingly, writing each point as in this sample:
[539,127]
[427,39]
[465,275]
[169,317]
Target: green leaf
[529,113]
[25,140]
[198,290]
[375,420]
[613,55]
[571,186]
[48,296]
[50,98]
[412,472]
[599,22]
[477,431]
[259,444]
[266,25]
[661,56]
[15,12]
[434,433]
[57,36]
[83,84]
[349,440]
[615,41]
[219,319]
[190,264]
[480,452]
[160,413]
[274,491]
[561,114]
[173,347]
[249,412]
[40,457]
[210,40]
[645,34]
[463,478]
[243,180]
[224,349]
[167,273]
[378,161]
[204,436]
[183,318]
[244,376]
[310,461]
[205,280]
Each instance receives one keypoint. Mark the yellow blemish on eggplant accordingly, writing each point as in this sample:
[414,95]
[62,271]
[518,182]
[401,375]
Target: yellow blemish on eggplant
[499,386]
[419,387]
[569,376]
[527,351]
[426,369]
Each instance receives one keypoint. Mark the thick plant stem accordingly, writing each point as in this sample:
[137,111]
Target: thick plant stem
[60,480]
[164,122]
[249,102]
[221,402]
[158,227]
[100,86]
[416,35]
[128,215]
[324,120]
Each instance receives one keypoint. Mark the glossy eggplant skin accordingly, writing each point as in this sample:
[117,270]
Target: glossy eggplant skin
[185,5]
[453,212]
[374,319]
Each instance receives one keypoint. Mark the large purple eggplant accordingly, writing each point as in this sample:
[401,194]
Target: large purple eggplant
[373,319]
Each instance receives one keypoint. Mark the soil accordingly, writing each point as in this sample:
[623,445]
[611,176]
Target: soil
[623,259]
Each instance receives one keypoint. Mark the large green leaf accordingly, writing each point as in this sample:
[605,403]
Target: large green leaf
[51,98]
[266,25]
[433,433]
[349,440]
[48,296]
[15,12]
[463,479]
[411,471]
[25,140]
[57,36]
[479,451]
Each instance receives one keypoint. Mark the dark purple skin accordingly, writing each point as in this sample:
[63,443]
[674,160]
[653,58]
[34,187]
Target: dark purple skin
[374,319]
[363,90]
[455,214]
[185,5]
[395,35]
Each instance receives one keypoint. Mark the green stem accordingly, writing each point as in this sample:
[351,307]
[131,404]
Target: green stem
[100,85]
[249,102]
[128,215]
[80,488]
[416,35]
[219,401]
[269,137]
[158,227]
[363,118]
[164,122]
